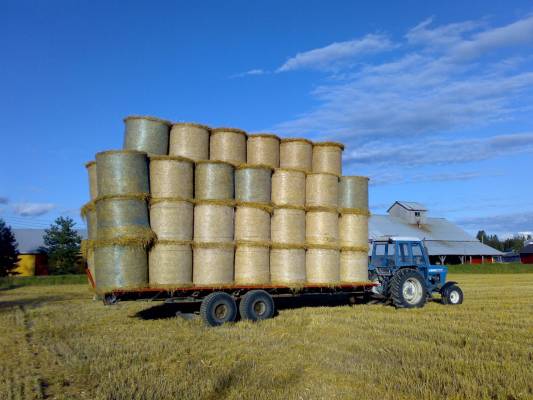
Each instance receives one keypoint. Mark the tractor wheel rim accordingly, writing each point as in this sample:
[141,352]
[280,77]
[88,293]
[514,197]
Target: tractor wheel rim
[454,297]
[412,290]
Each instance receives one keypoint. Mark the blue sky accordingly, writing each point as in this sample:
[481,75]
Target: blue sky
[433,99]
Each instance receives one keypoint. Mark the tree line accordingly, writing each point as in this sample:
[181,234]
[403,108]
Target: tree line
[515,243]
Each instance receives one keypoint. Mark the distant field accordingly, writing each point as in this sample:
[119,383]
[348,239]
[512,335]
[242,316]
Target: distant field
[497,268]
[56,343]
[17,281]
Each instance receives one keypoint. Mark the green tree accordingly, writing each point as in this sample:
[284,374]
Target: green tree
[8,250]
[62,245]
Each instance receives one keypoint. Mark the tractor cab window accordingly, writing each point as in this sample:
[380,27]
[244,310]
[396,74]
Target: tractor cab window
[403,249]
[391,251]
[379,255]
[418,256]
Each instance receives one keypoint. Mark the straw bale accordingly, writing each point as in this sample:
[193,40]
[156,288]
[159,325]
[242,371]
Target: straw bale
[263,149]
[172,220]
[287,266]
[213,265]
[89,206]
[213,223]
[327,157]
[253,184]
[252,265]
[355,211]
[288,187]
[252,224]
[321,190]
[171,177]
[213,181]
[262,206]
[92,224]
[121,217]
[322,227]
[90,262]
[147,134]
[93,181]
[353,192]
[353,230]
[170,264]
[353,266]
[322,266]
[288,226]
[122,173]
[296,153]
[189,140]
[228,144]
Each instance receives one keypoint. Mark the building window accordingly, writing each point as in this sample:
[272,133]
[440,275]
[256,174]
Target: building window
[417,213]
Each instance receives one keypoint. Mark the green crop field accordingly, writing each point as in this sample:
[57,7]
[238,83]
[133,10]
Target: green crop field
[57,343]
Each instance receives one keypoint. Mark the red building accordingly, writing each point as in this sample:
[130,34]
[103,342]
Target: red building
[526,254]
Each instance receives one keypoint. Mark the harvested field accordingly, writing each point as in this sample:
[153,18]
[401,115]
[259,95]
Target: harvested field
[56,343]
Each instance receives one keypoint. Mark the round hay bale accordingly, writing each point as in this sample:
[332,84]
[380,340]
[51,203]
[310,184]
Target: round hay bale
[288,226]
[146,134]
[213,180]
[253,183]
[353,266]
[321,190]
[252,224]
[92,224]
[252,264]
[353,192]
[263,149]
[90,262]
[122,172]
[213,223]
[171,177]
[170,264]
[120,266]
[213,264]
[322,227]
[122,217]
[228,144]
[171,219]
[322,265]
[93,181]
[296,154]
[327,157]
[353,230]
[288,187]
[287,266]
[189,140]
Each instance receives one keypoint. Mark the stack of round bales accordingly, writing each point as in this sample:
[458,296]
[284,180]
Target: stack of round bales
[229,145]
[171,219]
[296,153]
[123,230]
[353,228]
[287,255]
[213,246]
[252,224]
[263,149]
[189,140]
[148,134]
[88,212]
[327,157]
[322,230]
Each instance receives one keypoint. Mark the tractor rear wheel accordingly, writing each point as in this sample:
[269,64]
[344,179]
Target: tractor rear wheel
[408,289]
[452,295]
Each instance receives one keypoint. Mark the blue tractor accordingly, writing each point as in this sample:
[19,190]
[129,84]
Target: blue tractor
[400,267]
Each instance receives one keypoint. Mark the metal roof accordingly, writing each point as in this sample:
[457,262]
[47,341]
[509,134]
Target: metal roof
[29,240]
[528,249]
[409,205]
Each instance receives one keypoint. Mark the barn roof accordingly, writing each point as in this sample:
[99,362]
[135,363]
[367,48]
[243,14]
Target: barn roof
[29,240]
[528,249]
[409,205]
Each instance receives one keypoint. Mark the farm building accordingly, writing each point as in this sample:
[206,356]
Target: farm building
[446,242]
[526,254]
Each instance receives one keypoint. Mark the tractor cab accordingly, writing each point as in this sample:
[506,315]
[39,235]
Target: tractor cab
[400,266]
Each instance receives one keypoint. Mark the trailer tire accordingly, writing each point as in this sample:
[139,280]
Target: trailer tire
[218,308]
[257,305]
[408,289]
[452,296]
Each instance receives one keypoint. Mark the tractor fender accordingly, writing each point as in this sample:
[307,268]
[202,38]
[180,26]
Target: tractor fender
[447,285]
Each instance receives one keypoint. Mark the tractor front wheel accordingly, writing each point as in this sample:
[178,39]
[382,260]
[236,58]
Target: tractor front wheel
[408,289]
[452,295]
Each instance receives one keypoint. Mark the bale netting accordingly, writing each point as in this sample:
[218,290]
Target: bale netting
[288,187]
[253,183]
[122,172]
[322,227]
[122,217]
[327,157]
[353,192]
[189,140]
[322,265]
[252,263]
[172,219]
[296,154]
[321,190]
[148,134]
[287,265]
[213,180]
[353,265]
[93,181]
[229,145]
[92,224]
[353,230]
[213,264]
[263,149]
[171,176]
[120,266]
[288,226]
[213,222]
[170,264]
[252,223]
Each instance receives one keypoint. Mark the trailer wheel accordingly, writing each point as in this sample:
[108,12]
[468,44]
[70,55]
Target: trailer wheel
[408,289]
[452,295]
[218,308]
[257,305]
[110,299]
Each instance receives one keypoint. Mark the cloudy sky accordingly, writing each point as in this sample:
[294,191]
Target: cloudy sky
[434,101]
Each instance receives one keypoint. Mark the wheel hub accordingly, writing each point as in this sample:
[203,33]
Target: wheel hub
[260,308]
[412,291]
[454,297]
[221,311]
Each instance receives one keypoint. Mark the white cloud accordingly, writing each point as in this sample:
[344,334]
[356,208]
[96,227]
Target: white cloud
[32,209]
[336,54]
[515,222]
[388,177]
[256,71]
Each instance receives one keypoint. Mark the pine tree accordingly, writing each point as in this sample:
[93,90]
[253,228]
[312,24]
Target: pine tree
[8,250]
[62,245]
